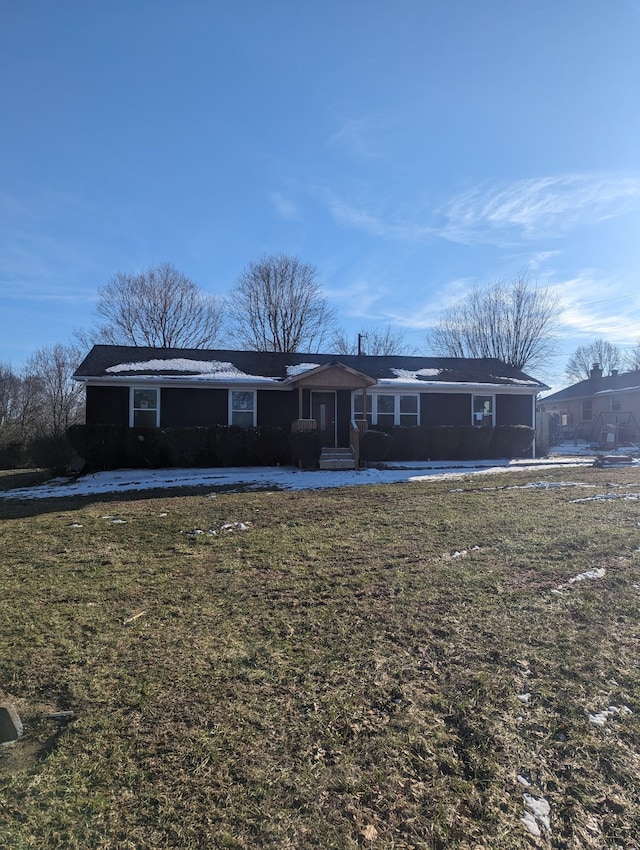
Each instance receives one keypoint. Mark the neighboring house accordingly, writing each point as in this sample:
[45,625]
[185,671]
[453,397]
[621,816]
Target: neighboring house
[178,387]
[605,410]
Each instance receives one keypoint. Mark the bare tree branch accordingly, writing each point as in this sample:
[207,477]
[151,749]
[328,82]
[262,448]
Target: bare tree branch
[53,395]
[277,305]
[374,341]
[607,355]
[513,321]
[160,307]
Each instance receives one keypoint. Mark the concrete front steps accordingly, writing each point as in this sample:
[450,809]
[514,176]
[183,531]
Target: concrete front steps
[337,459]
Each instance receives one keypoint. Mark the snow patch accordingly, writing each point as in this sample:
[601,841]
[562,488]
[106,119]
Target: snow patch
[538,814]
[197,369]
[408,375]
[176,364]
[598,572]
[601,717]
[278,478]
[603,497]
[292,371]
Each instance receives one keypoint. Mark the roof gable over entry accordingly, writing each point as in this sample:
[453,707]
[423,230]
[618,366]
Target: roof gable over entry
[333,376]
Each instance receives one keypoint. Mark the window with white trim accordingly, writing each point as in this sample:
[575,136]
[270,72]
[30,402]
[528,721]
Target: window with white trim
[357,407]
[389,409]
[587,410]
[242,408]
[483,411]
[616,404]
[145,407]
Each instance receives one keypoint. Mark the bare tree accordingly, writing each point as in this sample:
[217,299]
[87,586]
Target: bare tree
[9,393]
[57,398]
[277,305]
[19,405]
[605,353]
[513,321]
[159,307]
[631,360]
[373,341]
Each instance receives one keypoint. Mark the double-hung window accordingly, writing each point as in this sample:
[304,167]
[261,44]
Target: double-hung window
[587,410]
[388,409]
[483,411]
[145,407]
[242,408]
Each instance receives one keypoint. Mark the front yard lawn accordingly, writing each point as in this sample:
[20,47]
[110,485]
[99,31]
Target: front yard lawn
[429,665]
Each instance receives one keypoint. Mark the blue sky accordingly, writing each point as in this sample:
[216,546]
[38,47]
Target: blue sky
[407,149]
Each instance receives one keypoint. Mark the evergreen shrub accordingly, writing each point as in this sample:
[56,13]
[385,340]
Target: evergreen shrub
[375,446]
[511,441]
[306,448]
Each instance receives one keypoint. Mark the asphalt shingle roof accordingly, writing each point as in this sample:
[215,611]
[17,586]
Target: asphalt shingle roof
[591,386]
[102,359]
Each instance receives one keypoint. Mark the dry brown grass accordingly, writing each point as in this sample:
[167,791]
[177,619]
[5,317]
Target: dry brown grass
[332,676]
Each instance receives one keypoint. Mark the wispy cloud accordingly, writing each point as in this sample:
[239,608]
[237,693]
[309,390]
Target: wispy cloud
[359,298]
[359,136]
[284,207]
[545,206]
[590,311]
[507,214]
[373,224]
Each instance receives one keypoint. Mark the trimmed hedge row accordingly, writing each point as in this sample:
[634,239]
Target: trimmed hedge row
[446,442]
[115,446]
[118,446]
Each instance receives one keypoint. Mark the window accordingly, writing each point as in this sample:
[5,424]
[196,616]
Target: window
[616,404]
[483,411]
[144,408]
[409,410]
[387,410]
[586,409]
[242,408]
[357,407]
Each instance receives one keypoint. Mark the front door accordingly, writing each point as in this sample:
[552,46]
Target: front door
[323,410]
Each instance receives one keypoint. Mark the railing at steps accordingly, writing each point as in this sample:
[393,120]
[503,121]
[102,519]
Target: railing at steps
[358,427]
[303,425]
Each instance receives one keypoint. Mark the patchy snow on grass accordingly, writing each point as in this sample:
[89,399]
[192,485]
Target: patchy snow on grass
[589,575]
[604,497]
[538,814]
[601,718]
[599,572]
[275,478]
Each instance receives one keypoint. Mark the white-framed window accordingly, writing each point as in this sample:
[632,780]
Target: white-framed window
[587,410]
[483,411]
[242,408]
[616,404]
[388,409]
[144,407]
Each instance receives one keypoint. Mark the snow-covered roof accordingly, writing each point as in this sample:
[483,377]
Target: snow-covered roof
[185,369]
[109,363]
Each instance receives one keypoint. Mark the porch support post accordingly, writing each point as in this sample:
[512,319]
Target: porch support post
[300,416]
[364,402]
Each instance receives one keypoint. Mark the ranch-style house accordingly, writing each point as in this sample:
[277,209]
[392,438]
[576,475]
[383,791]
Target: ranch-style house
[331,394]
